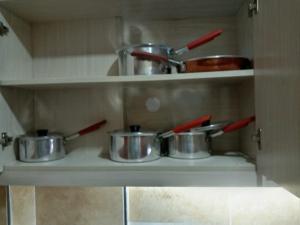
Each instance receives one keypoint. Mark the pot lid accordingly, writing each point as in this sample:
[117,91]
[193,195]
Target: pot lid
[216,126]
[134,131]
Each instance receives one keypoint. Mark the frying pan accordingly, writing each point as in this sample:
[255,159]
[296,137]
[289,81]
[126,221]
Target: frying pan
[201,64]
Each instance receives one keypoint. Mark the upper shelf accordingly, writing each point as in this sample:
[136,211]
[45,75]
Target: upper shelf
[223,76]
[55,10]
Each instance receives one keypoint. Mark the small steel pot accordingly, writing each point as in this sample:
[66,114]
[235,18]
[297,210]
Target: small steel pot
[134,146]
[42,147]
[189,145]
[33,148]
[129,65]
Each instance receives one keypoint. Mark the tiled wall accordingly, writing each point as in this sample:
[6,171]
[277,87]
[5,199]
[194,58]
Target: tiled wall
[196,206]
[213,206]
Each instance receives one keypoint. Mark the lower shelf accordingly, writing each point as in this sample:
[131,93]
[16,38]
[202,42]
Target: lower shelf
[86,168]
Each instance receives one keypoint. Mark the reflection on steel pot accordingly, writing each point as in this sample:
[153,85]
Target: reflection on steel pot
[189,145]
[129,65]
[134,146]
[43,147]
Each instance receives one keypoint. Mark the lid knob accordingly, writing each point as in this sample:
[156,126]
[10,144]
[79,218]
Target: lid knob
[134,128]
[42,132]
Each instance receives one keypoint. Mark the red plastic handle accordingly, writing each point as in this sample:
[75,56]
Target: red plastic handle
[191,124]
[149,56]
[92,128]
[204,39]
[239,124]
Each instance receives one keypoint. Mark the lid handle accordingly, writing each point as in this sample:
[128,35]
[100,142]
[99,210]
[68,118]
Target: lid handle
[134,128]
[42,132]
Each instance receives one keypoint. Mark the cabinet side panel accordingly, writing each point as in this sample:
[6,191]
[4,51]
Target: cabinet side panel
[245,32]
[277,82]
[246,98]
[15,48]
[16,118]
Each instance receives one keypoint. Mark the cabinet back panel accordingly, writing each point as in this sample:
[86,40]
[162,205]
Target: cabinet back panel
[81,48]
[183,103]
[68,110]
[177,33]
[87,48]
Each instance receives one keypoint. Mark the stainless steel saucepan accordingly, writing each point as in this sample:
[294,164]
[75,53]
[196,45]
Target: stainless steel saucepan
[129,64]
[136,146]
[43,146]
[196,144]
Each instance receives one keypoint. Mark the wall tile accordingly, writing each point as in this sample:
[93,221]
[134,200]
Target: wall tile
[79,206]
[265,206]
[23,205]
[2,206]
[203,206]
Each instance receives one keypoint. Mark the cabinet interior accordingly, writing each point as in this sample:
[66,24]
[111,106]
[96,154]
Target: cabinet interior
[60,43]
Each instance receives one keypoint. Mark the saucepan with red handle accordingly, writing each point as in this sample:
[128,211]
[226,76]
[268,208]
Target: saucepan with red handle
[196,143]
[137,145]
[43,146]
[130,63]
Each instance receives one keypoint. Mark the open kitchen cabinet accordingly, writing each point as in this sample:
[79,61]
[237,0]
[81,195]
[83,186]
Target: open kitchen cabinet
[59,71]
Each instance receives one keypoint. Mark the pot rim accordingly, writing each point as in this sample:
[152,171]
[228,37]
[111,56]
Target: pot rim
[218,57]
[120,133]
[128,47]
[191,133]
[34,137]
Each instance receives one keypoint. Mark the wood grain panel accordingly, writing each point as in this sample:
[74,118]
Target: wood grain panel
[16,110]
[246,107]
[245,32]
[277,91]
[15,54]
[81,48]
[68,111]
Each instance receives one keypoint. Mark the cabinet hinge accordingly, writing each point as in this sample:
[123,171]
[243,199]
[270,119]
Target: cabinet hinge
[253,8]
[5,140]
[257,138]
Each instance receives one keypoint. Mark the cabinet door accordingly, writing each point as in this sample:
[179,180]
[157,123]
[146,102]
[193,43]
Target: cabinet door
[277,86]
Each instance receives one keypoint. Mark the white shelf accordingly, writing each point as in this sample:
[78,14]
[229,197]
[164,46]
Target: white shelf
[85,167]
[223,76]
[57,10]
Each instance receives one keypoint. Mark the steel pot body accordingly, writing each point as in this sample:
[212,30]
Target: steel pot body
[129,65]
[41,149]
[189,145]
[134,147]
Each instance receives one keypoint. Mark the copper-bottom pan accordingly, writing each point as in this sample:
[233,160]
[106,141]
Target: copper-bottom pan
[216,63]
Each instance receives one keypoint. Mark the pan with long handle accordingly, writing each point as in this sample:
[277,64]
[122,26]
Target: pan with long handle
[129,64]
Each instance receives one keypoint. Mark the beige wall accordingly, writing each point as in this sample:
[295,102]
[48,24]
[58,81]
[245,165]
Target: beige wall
[205,206]
[213,206]
[79,206]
